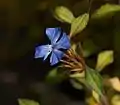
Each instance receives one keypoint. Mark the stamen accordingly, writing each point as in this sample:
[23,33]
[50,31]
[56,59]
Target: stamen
[69,63]
[73,61]
[80,70]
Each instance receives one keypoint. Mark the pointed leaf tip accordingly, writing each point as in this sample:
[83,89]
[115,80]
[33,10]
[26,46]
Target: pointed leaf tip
[104,59]
[105,10]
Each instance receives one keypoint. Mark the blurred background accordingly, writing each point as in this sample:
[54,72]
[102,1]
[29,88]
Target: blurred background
[22,28]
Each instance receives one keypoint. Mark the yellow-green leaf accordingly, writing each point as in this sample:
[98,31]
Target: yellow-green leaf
[104,58]
[115,83]
[115,99]
[79,24]
[63,14]
[27,102]
[78,75]
[91,101]
[106,10]
[96,96]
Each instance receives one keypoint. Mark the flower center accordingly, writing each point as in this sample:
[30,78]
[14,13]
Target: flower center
[53,47]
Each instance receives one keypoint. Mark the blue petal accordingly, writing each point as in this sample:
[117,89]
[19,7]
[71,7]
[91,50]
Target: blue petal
[53,59]
[63,43]
[56,56]
[43,51]
[53,34]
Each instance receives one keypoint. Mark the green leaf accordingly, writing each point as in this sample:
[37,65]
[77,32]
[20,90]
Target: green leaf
[79,24]
[89,48]
[63,14]
[77,80]
[96,96]
[76,85]
[54,76]
[115,99]
[94,81]
[78,75]
[106,10]
[76,47]
[27,102]
[104,58]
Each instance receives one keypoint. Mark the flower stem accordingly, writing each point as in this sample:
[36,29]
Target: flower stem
[104,100]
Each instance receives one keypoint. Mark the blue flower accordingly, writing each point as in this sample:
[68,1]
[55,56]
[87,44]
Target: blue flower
[58,42]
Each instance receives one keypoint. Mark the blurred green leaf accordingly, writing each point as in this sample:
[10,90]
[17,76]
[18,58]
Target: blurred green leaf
[89,48]
[79,24]
[74,47]
[54,76]
[76,85]
[78,75]
[106,10]
[114,83]
[104,58]
[94,81]
[77,80]
[27,102]
[96,96]
[63,14]
[115,99]
[77,48]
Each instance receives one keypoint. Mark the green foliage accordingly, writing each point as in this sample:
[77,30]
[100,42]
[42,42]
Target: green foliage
[116,99]
[27,102]
[79,24]
[89,48]
[54,76]
[63,14]
[106,10]
[104,58]
[76,85]
[94,81]
[77,48]
[78,75]
[77,80]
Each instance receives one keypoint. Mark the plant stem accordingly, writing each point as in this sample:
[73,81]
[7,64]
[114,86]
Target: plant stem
[104,100]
